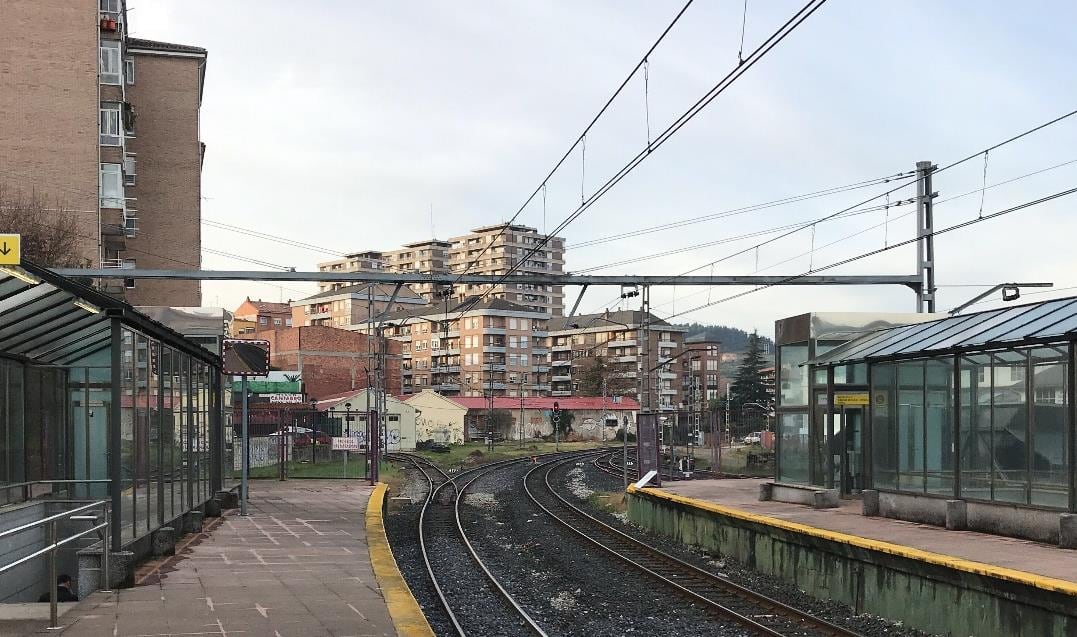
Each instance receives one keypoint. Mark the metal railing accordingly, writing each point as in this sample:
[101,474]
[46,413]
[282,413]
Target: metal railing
[78,514]
[28,487]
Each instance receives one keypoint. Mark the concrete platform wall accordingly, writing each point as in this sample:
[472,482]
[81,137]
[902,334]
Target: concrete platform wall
[924,593]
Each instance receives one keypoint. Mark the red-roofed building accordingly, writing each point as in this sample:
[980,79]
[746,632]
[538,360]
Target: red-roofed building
[588,414]
[263,315]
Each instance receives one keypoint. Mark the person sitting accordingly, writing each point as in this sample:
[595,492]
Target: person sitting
[63,590]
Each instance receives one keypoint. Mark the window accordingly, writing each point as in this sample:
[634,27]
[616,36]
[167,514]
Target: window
[111,183]
[277,322]
[287,322]
[129,264]
[712,365]
[262,320]
[109,6]
[129,70]
[111,134]
[792,378]
[523,342]
[512,323]
[108,62]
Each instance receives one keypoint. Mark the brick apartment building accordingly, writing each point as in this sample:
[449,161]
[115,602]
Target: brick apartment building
[576,341]
[256,316]
[488,250]
[331,361]
[350,306]
[106,126]
[701,377]
[494,348]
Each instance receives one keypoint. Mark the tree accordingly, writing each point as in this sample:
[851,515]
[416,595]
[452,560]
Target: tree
[599,378]
[748,384]
[499,421]
[49,230]
[564,427]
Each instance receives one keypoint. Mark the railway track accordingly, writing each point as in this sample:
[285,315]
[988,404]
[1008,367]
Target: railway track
[757,613]
[469,594]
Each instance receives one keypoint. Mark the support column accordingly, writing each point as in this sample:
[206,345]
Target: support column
[115,438]
[925,231]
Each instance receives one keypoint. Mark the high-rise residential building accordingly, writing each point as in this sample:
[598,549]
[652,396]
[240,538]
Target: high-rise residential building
[106,126]
[488,348]
[351,306]
[616,338]
[701,377]
[495,249]
[491,250]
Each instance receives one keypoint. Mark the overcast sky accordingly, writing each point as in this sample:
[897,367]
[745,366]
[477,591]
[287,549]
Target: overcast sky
[342,124]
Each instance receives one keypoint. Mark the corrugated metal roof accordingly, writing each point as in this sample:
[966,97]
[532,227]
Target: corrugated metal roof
[1036,322]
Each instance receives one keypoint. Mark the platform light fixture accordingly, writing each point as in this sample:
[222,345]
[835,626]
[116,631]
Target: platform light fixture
[86,306]
[20,275]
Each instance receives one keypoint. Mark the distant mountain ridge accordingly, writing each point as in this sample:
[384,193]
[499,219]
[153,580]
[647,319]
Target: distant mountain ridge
[732,339]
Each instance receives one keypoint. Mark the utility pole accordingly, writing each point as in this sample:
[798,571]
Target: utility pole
[925,231]
[521,390]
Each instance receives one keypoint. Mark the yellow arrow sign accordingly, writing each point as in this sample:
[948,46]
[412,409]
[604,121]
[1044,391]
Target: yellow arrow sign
[10,249]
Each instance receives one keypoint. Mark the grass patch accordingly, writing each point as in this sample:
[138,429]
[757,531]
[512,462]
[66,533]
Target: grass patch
[610,502]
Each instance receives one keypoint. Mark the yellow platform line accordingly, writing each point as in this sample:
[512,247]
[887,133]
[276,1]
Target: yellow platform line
[979,568]
[408,618]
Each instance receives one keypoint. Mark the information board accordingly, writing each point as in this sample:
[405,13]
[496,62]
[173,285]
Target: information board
[345,443]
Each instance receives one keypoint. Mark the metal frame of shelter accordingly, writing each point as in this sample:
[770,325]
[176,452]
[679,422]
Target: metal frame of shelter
[52,322]
[1003,334]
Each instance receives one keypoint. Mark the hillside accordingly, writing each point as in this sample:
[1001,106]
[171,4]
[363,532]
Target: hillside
[732,339]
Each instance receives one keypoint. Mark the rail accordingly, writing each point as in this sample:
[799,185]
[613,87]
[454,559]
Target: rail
[77,514]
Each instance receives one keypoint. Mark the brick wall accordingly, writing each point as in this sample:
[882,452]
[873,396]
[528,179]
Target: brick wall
[331,360]
[48,97]
[168,189]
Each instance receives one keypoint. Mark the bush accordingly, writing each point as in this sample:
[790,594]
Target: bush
[621,434]
[477,453]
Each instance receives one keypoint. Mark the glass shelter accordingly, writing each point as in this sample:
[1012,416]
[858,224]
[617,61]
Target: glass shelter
[98,401]
[977,408]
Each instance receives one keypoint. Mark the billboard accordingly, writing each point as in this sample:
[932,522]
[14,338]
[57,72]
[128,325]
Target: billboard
[245,358]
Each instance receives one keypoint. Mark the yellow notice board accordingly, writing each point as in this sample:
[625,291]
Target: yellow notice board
[10,249]
[859,399]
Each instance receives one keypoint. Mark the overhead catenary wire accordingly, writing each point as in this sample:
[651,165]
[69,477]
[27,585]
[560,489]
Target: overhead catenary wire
[759,53]
[542,185]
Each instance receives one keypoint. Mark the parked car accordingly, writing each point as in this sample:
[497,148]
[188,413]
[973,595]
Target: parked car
[754,438]
[304,440]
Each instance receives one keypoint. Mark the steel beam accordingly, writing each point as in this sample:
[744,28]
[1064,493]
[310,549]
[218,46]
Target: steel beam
[911,280]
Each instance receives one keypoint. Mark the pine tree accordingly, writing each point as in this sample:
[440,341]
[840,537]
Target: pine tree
[748,384]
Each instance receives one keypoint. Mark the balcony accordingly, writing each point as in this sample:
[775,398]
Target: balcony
[452,351]
[445,369]
[540,333]
[560,392]
[542,368]
[541,386]
[621,343]
[493,349]
[407,372]
[669,391]
[493,385]
[447,387]
[493,330]
[319,315]
[561,363]
[667,375]
[624,359]
[540,349]
[561,378]
[669,344]
[562,348]
[494,367]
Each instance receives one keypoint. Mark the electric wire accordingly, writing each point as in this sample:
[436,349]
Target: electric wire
[580,139]
[759,53]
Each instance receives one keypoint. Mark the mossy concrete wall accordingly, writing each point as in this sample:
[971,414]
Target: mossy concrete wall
[929,596]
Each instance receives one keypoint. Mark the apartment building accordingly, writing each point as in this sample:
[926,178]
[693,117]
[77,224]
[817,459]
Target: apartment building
[489,250]
[350,307]
[107,127]
[493,348]
[423,257]
[701,377]
[495,249]
[368,261]
[576,341]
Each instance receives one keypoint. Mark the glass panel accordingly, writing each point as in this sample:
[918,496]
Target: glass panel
[1033,320]
[910,434]
[142,427]
[156,464]
[911,341]
[1050,386]
[899,334]
[1065,326]
[127,432]
[793,450]
[975,423]
[938,427]
[792,378]
[1010,427]
[977,324]
[883,427]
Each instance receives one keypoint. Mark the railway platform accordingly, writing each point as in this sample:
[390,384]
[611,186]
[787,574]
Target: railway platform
[310,560]
[939,580]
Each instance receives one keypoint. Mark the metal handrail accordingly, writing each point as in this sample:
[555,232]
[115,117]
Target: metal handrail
[54,543]
[26,485]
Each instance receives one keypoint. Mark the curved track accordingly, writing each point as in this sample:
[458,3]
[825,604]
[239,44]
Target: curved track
[439,523]
[759,614]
